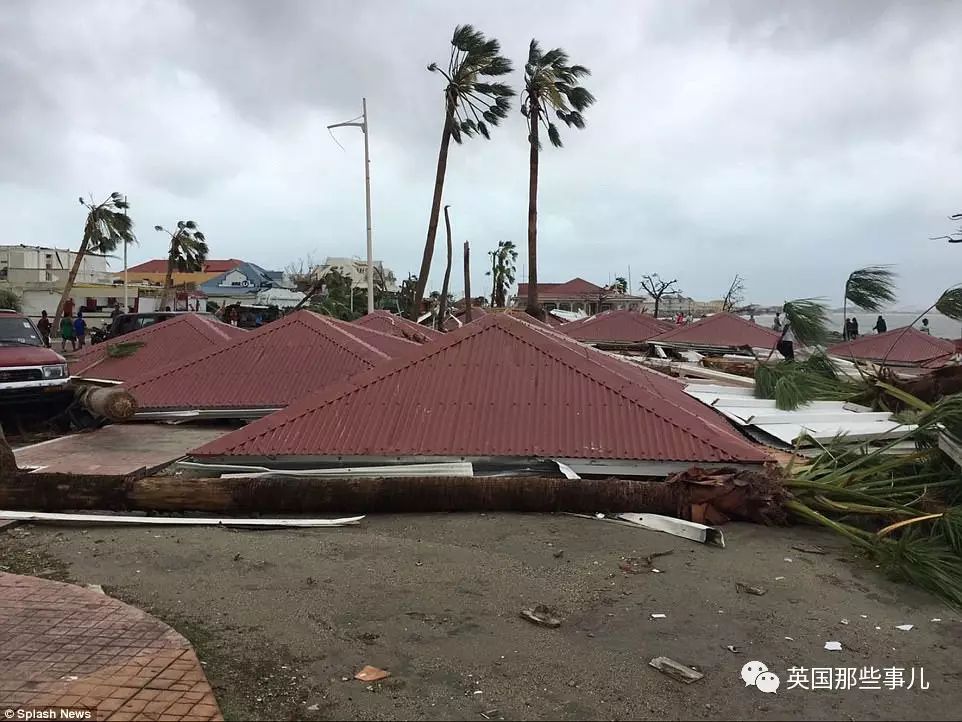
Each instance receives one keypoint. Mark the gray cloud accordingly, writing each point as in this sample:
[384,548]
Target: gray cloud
[787,141]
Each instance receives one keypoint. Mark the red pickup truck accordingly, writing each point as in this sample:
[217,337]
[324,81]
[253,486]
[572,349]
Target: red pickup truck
[30,373]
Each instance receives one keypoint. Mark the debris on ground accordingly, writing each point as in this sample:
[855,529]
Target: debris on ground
[675,670]
[732,648]
[659,616]
[809,549]
[542,616]
[371,674]
[904,627]
[750,589]
[833,646]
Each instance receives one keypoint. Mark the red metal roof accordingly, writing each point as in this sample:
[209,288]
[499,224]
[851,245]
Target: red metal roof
[618,326]
[393,346]
[163,343]
[721,329]
[387,322]
[267,368]
[576,286]
[504,388]
[462,316]
[905,345]
[159,265]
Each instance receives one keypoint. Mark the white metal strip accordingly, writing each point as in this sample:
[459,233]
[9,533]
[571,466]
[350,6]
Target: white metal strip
[38,516]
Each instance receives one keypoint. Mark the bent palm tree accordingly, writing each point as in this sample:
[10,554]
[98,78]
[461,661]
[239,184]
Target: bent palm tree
[869,289]
[188,251]
[107,226]
[470,106]
[549,84]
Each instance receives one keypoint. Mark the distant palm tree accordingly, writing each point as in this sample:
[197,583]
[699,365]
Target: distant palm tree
[470,106]
[502,272]
[620,285]
[107,226]
[549,84]
[188,251]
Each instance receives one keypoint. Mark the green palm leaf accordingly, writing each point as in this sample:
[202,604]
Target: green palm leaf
[809,320]
[871,288]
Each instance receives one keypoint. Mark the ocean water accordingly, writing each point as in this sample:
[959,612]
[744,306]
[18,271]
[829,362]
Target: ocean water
[939,325]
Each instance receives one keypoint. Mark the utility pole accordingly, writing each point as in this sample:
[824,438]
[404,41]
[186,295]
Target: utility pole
[126,299]
[362,124]
[467,282]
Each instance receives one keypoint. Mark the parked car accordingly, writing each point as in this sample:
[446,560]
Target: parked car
[127,322]
[29,371]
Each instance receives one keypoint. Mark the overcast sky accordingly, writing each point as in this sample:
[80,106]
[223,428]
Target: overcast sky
[790,142]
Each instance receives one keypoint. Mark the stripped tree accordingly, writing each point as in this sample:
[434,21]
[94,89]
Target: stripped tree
[471,105]
[187,253]
[656,287]
[550,84]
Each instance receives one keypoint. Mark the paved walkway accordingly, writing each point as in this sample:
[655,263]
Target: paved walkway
[65,646]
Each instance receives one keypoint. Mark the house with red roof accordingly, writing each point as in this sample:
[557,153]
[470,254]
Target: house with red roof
[499,391]
[134,354]
[621,327]
[578,294]
[720,331]
[905,346]
[266,369]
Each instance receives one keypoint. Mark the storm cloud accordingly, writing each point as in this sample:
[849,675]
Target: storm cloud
[787,141]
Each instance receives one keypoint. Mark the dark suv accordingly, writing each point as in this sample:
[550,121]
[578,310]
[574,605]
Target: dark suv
[128,322]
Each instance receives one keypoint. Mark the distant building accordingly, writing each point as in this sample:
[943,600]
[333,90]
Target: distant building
[155,272]
[20,265]
[248,283]
[579,295]
[356,270]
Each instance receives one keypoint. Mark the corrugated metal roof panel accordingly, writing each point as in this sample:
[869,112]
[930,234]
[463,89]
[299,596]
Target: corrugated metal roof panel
[163,343]
[618,326]
[499,387]
[905,345]
[721,329]
[267,368]
[387,322]
[393,346]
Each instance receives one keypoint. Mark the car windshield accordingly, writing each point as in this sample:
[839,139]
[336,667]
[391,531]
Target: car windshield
[18,332]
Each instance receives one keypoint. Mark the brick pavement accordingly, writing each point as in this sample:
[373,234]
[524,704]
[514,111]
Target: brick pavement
[65,646]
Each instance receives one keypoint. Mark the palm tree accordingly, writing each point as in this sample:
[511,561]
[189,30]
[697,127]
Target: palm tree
[107,226]
[470,106]
[868,288]
[188,251]
[502,271]
[549,84]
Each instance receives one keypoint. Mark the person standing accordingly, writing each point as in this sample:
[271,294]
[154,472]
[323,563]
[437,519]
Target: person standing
[44,327]
[880,325]
[777,323]
[854,331]
[116,312]
[786,344]
[925,327]
[66,333]
[80,329]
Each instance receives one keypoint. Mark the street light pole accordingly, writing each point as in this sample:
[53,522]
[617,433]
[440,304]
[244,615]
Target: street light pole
[367,198]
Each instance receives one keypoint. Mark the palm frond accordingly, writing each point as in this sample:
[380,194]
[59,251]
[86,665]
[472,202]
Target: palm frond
[552,84]
[950,303]
[871,288]
[123,349]
[809,320]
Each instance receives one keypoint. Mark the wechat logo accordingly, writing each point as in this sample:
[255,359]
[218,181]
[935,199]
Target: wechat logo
[756,674]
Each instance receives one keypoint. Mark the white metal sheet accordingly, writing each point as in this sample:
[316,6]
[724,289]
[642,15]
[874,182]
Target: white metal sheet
[853,431]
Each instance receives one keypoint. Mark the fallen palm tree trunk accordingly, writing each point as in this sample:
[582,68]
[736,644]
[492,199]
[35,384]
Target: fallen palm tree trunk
[704,496]
[113,404]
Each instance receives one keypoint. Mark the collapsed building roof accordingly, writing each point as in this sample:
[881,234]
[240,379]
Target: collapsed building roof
[387,322]
[901,346]
[266,369]
[620,326]
[720,330]
[134,354]
[499,387]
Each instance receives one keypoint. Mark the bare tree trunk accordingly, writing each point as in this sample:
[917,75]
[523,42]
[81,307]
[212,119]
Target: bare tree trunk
[467,283]
[494,279]
[447,270]
[168,284]
[71,278]
[534,305]
[435,212]
[113,403]
[657,303]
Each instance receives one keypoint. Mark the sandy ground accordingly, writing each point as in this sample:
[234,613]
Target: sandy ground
[283,619]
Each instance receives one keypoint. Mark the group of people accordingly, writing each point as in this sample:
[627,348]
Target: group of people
[72,329]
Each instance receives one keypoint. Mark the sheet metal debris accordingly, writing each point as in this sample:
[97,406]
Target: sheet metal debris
[676,670]
[37,516]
